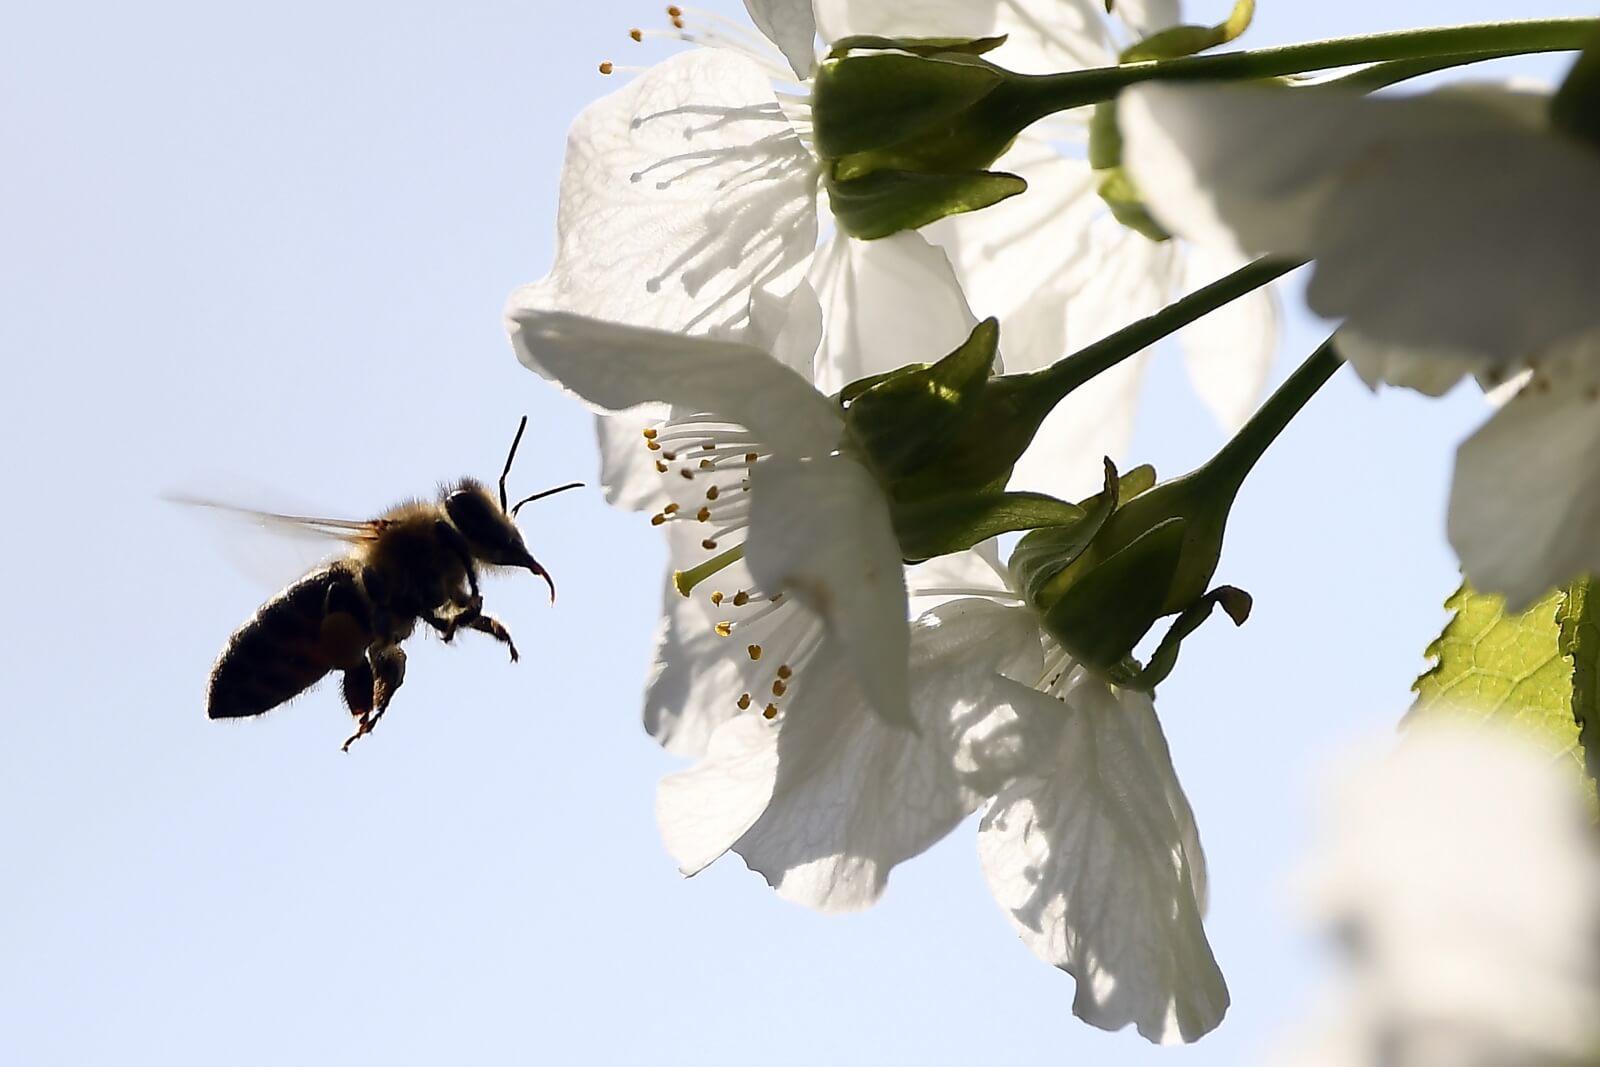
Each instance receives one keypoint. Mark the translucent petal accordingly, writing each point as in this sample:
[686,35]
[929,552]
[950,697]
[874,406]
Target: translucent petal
[1098,869]
[1525,502]
[1443,221]
[790,25]
[1044,35]
[615,367]
[694,681]
[820,533]
[1229,352]
[887,303]
[680,194]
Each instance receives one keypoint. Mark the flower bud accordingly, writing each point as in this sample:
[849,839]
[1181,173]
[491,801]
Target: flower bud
[908,127]
[1139,553]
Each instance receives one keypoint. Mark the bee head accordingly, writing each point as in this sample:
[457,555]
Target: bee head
[490,533]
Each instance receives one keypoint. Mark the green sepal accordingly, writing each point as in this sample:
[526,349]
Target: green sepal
[1575,108]
[919,46]
[904,420]
[1128,207]
[886,202]
[1109,607]
[1043,554]
[864,103]
[1235,602]
[1117,189]
[936,526]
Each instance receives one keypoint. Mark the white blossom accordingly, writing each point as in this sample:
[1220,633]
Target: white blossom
[1461,877]
[761,496]
[1455,233]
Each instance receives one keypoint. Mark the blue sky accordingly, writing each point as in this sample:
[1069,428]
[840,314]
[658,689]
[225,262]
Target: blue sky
[262,249]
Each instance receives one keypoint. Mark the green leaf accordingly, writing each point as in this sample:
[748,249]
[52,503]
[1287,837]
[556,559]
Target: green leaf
[1512,670]
[1580,643]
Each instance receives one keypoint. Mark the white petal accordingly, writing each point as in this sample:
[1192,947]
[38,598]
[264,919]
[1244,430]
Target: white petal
[680,194]
[1042,37]
[1023,259]
[629,484]
[1442,221]
[701,812]
[1456,903]
[1096,868]
[694,681]
[1433,371]
[930,583]
[1066,458]
[615,367]
[1145,17]
[790,25]
[820,533]
[1525,502]
[887,303]
[856,795]
[790,325]
[1229,352]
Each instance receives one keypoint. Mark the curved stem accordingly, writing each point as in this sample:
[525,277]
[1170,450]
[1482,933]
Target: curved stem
[1054,382]
[1236,458]
[1049,93]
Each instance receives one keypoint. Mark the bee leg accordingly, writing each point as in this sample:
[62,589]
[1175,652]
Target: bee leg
[496,629]
[385,670]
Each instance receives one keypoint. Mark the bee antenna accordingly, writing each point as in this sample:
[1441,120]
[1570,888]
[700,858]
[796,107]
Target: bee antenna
[515,441]
[547,492]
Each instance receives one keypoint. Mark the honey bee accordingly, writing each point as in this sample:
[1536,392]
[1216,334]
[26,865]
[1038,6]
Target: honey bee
[418,561]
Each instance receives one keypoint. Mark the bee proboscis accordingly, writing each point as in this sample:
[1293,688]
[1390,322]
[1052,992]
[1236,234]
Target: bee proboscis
[418,561]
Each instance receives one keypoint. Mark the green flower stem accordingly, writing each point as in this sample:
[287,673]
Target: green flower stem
[1382,75]
[1046,94]
[1050,385]
[1225,472]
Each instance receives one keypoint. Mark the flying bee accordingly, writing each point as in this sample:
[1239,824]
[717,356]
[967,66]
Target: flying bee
[418,561]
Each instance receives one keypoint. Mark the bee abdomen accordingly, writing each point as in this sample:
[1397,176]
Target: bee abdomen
[318,624]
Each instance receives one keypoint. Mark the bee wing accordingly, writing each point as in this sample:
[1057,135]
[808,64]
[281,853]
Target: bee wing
[275,547]
[347,530]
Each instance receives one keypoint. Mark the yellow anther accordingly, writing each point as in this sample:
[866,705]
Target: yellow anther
[778,688]
[669,456]
[751,457]
[703,515]
[709,446]
[712,493]
[741,598]
[707,465]
[649,431]
[654,446]
[674,10]
[785,672]
[688,474]
[744,701]
[606,67]
[657,519]
[755,651]
[770,711]
[716,598]
[710,546]
[724,629]
[638,35]
[660,466]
